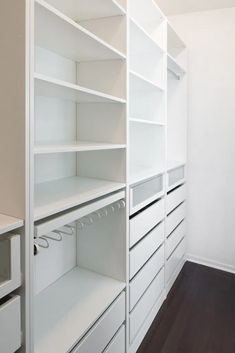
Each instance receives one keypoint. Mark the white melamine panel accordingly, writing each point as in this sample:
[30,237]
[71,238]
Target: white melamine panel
[174,218]
[10,266]
[174,67]
[52,263]
[58,195]
[108,122]
[74,146]
[147,151]
[146,100]
[85,296]
[107,76]
[140,254]
[116,34]
[146,303]
[175,238]
[80,10]
[54,88]
[175,44]
[100,335]
[175,197]
[146,192]
[146,57]
[176,177]
[101,246]
[143,279]
[7,223]
[117,345]
[10,324]
[149,16]
[49,20]
[175,259]
[143,222]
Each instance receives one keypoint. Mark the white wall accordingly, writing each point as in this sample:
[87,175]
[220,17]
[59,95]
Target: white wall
[210,37]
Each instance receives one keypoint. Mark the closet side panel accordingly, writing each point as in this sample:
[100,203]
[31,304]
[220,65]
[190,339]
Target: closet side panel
[12,107]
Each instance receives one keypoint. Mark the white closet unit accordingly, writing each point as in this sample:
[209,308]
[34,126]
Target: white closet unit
[95,181]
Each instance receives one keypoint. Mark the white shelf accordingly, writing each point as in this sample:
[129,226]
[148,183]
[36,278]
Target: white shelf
[141,83]
[174,67]
[148,122]
[144,37]
[81,10]
[140,174]
[76,146]
[67,309]
[59,195]
[51,87]
[75,42]
[7,223]
[173,39]
[174,165]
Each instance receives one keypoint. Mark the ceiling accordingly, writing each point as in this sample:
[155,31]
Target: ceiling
[175,7]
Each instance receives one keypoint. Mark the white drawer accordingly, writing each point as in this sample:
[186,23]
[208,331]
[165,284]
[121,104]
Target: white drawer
[10,327]
[176,177]
[10,273]
[144,193]
[145,249]
[143,279]
[174,218]
[142,223]
[118,343]
[103,331]
[175,198]
[175,238]
[175,259]
[146,303]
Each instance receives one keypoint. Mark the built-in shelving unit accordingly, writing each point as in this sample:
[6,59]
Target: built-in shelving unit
[102,122]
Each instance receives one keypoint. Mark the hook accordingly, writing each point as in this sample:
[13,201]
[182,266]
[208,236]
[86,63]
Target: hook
[88,220]
[80,225]
[122,204]
[54,238]
[46,246]
[68,233]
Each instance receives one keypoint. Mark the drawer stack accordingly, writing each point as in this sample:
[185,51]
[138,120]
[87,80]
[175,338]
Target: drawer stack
[108,334]
[175,231]
[146,272]
[10,280]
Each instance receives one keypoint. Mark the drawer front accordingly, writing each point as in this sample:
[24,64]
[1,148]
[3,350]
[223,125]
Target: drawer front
[10,327]
[175,198]
[103,331]
[175,218]
[146,303]
[175,238]
[144,193]
[176,176]
[145,249]
[10,274]
[175,260]
[141,224]
[118,343]
[140,283]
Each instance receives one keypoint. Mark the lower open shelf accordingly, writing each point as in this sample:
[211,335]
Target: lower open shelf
[58,195]
[67,309]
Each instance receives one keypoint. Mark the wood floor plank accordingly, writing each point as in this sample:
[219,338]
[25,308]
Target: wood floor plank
[198,315]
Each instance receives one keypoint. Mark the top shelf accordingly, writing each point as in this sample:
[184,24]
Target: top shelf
[80,10]
[175,44]
[7,223]
[75,42]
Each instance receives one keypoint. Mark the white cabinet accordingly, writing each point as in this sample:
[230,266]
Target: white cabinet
[175,198]
[146,220]
[175,259]
[145,248]
[174,238]
[174,218]
[10,324]
[10,266]
[118,343]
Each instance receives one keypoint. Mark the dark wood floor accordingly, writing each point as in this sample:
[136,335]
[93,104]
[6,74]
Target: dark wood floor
[198,316]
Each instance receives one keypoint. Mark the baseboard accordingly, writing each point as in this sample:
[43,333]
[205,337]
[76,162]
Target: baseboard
[210,263]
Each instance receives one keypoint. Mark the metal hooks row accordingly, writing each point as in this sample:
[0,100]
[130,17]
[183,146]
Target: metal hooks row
[103,212]
[69,230]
